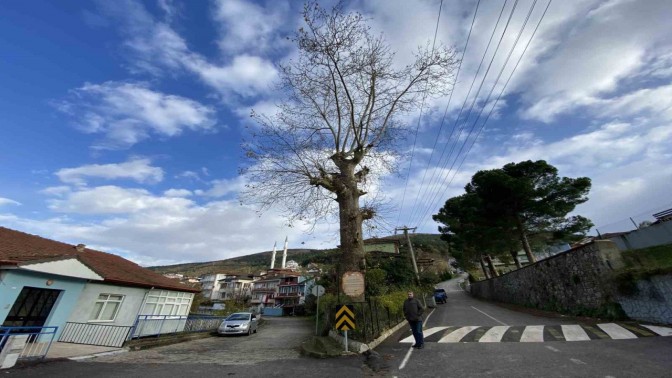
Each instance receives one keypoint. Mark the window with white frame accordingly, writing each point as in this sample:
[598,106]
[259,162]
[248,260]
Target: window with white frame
[164,302]
[106,307]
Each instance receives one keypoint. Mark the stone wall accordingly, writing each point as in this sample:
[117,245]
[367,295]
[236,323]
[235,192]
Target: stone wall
[575,282]
[651,300]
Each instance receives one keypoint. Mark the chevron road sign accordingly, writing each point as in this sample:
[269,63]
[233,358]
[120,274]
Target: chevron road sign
[345,318]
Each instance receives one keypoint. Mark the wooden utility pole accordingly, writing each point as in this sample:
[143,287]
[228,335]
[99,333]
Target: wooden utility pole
[410,247]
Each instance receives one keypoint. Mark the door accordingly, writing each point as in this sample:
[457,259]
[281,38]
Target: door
[31,308]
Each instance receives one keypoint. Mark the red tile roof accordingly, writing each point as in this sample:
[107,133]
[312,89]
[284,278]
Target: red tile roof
[18,247]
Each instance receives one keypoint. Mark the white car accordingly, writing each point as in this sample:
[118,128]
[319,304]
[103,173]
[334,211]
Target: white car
[238,323]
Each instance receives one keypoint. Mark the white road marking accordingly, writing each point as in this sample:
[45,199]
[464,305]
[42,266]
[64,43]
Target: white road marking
[532,334]
[410,350]
[551,348]
[662,331]
[406,358]
[616,332]
[494,334]
[574,333]
[577,361]
[426,333]
[457,335]
[502,323]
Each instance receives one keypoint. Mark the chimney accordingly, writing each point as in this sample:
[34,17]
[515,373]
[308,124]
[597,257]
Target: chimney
[80,247]
[284,254]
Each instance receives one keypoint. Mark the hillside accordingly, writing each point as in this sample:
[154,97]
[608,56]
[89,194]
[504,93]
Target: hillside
[426,246]
[253,263]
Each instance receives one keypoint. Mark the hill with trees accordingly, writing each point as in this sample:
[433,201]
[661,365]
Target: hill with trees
[426,246]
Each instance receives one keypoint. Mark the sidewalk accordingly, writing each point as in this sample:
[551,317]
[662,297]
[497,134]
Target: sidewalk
[80,351]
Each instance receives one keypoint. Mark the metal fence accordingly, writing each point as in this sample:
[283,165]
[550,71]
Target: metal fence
[157,325]
[94,334]
[371,319]
[203,323]
[38,340]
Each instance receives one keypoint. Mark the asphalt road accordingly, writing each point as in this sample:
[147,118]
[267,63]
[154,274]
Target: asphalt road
[449,353]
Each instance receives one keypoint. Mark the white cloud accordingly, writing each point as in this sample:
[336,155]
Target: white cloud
[246,75]
[139,170]
[116,200]
[221,188]
[246,26]
[177,193]
[153,229]
[654,102]
[156,47]
[127,113]
[593,54]
[7,201]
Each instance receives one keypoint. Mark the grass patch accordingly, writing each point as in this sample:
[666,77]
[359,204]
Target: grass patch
[652,258]
[643,264]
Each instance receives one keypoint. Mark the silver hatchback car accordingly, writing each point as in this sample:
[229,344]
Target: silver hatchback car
[238,323]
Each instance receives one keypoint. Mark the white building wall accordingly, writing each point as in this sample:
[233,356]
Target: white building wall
[130,305]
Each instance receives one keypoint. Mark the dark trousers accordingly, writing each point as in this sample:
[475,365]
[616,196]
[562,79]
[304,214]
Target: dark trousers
[416,328]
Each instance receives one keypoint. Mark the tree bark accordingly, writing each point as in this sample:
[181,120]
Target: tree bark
[491,266]
[350,217]
[524,241]
[514,255]
[485,270]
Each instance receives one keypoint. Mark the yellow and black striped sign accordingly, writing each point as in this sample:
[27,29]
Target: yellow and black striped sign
[345,318]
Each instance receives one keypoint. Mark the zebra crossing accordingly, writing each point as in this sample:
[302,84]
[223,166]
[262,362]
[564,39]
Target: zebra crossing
[538,333]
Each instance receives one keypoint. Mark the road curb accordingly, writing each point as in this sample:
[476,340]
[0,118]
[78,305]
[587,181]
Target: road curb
[110,353]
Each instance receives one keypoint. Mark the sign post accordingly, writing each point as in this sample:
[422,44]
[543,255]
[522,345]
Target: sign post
[345,321]
[317,290]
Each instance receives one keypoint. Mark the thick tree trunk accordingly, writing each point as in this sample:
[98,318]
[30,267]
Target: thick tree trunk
[514,255]
[485,271]
[350,216]
[523,240]
[491,266]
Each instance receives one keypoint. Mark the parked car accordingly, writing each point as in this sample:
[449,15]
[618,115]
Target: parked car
[238,323]
[440,296]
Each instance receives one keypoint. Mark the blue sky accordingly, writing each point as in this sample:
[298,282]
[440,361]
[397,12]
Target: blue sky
[122,120]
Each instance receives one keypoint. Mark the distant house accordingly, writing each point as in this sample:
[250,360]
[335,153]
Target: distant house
[235,286]
[92,297]
[279,291]
[264,291]
[211,284]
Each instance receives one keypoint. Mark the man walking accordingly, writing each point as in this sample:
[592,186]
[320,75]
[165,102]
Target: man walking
[413,313]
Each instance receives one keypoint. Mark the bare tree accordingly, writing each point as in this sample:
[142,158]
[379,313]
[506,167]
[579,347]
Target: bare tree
[339,123]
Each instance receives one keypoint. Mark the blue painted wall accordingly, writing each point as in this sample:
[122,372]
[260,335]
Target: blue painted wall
[271,311]
[13,280]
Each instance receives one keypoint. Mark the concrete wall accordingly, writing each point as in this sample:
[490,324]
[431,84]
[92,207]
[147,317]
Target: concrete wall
[651,300]
[133,299]
[655,234]
[12,282]
[571,282]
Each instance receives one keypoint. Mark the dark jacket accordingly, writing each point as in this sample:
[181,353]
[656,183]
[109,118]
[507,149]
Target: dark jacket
[413,310]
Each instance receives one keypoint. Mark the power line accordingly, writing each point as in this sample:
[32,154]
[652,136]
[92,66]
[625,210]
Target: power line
[422,104]
[473,104]
[466,122]
[500,93]
[438,136]
[471,87]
